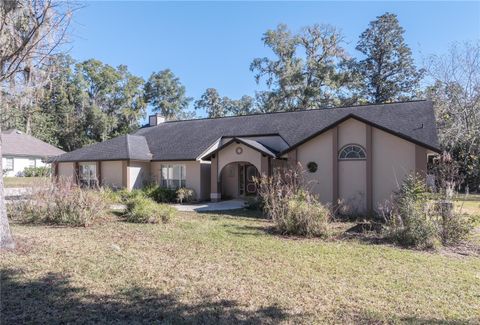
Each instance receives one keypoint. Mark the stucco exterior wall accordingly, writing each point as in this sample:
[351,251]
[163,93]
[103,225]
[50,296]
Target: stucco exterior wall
[138,173]
[112,173]
[393,159]
[20,163]
[228,155]
[318,150]
[193,175]
[352,175]
[351,131]
[352,186]
[66,170]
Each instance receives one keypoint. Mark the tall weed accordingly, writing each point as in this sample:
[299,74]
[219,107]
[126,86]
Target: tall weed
[141,209]
[61,203]
[412,219]
[293,209]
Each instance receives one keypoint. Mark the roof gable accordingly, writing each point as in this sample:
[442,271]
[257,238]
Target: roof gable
[358,118]
[255,145]
[17,143]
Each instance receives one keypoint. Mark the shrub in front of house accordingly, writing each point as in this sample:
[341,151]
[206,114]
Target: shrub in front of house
[254,203]
[142,209]
[416,229]
[185,194]
[163,195]
[37,171]
[413,219]
[154,192]
[120,196]
[408,221]
[293,209]
[304,216]
[110,195]
[455,229]
[62,203]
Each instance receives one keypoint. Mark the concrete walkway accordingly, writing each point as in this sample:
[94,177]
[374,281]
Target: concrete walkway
[211,206]
[13,192]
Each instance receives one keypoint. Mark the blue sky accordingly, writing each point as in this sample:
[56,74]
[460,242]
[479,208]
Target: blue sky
[211,44]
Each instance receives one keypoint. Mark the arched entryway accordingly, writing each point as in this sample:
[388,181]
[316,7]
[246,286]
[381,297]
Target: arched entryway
[237,180]
[239,153]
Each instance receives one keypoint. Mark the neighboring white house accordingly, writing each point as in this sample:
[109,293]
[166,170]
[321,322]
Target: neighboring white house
[20,151]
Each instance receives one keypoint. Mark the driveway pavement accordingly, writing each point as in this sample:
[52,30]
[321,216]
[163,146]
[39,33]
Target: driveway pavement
[211,206]
[12,192]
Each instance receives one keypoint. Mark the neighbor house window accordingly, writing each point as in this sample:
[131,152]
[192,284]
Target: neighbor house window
[88,175]
[173,176]
[8,163]
[352,151]
[31,163]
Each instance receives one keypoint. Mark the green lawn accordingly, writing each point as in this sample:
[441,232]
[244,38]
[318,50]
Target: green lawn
[22,181]
[469,204]
[223,269]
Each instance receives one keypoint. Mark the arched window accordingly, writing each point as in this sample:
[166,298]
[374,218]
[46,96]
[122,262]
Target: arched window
[352,151]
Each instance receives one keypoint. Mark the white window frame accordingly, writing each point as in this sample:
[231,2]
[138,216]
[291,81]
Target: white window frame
[12,163]
[355,148]
[173,176]
[32,162]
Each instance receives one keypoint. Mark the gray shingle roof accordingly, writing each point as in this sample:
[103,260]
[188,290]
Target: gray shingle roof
[186,140]
[178,140]
[125,147]
[17,143]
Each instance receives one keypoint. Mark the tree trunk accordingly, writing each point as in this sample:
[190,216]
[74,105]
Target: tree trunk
[6,239]
[28,124]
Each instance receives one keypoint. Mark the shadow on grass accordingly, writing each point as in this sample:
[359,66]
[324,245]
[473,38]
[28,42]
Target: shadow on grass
[251,230]
[356,233]
[53,299]
[365,232]
[369,317]
[242,213]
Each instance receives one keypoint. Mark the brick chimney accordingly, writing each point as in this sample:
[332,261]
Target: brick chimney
[156,119]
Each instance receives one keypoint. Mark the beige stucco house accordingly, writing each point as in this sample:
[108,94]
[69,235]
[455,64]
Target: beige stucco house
[355,155]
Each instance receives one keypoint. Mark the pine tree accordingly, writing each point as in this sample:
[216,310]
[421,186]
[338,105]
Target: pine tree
[388,70]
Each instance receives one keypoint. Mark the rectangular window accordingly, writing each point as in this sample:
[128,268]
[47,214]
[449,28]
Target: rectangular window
[8,163]
[88,175]
[31,163]
[173,176]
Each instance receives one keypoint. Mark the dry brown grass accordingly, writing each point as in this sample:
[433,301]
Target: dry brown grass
[23,181]
[224,269]
[468,207]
